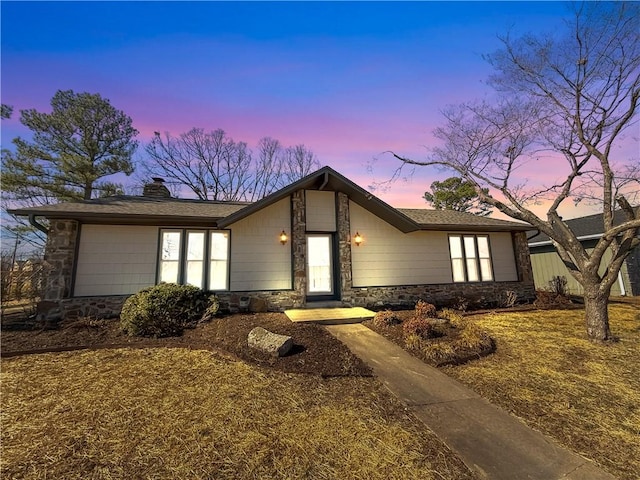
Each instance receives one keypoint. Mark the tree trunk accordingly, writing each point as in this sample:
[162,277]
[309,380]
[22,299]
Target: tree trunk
[596,309]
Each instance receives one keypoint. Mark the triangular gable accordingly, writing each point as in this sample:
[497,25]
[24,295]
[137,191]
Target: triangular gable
[328,179]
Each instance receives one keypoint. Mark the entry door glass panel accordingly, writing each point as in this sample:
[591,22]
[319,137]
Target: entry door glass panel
[319,279]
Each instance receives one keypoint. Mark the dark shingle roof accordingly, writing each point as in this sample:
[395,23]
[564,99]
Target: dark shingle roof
[142,210]
[171,211]
[582,226]
[447,219]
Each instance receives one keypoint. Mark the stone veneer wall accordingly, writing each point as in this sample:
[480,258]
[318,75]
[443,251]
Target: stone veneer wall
[93,307]
[299,243]
[59,259]
[448,294]
[344,246]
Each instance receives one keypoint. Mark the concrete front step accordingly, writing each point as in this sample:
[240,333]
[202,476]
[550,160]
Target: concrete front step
[329,316]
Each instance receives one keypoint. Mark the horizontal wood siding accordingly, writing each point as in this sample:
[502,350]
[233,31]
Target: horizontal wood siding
[503,258]
[388,257]
[321,211]
[258,260]
[115,259]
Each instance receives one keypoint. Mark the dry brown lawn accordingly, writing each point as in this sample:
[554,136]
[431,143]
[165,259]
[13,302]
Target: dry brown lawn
[179,413]
[584,395]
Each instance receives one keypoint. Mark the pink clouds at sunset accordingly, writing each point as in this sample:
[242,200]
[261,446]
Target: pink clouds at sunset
[350,81]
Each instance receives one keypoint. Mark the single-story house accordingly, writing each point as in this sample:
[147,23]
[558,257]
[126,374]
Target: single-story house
[321,239]
[547,264]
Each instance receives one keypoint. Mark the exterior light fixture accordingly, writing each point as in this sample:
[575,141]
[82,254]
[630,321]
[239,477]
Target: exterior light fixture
[357,239]
[283,237]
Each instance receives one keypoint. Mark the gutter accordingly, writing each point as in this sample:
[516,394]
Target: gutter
[584,237]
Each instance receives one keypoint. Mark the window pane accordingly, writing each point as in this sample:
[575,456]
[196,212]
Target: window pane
[170,257]
[195,273]
[195,246]
[218,260]
[455,247]
[170,246]
[485,268]
[194,267]
[219,245]
[218,275]
[169,271]
[470,247]
[483,247]
[472,270]
[458,270]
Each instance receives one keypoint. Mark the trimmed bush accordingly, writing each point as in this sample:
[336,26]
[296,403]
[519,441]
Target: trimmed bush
[385,319]
[163,310]
[425,309]
[421,327]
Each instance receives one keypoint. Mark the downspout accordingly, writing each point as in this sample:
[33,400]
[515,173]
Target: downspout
[325,181]
[623,291]
[39,226]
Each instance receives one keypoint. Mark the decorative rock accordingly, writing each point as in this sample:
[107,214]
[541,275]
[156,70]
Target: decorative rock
[272,343]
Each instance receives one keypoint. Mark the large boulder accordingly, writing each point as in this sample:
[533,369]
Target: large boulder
[272,343]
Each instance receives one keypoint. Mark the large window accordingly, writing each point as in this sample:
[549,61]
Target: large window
[470,258]
[194,257]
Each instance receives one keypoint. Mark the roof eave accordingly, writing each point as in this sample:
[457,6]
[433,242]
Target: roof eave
[473,228]
[124,219]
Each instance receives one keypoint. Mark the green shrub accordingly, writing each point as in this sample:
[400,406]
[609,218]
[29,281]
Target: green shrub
[421,327]
[425,309]
[385,319]
[162,310]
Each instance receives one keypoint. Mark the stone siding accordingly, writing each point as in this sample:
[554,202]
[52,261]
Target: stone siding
[93,307]
[59,260]
[442,295]
[268,301]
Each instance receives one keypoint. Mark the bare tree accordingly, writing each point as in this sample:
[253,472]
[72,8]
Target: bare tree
[572,97]
[215,167]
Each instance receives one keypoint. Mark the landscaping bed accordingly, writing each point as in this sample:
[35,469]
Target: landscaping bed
[450,341]
[315,351]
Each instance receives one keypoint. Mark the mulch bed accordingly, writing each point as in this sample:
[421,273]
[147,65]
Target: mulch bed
[315,351]
[447,333]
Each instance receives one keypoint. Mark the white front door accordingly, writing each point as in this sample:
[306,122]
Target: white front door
[319,265]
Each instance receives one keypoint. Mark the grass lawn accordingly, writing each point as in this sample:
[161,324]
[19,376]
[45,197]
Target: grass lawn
[586,396]
[179,413]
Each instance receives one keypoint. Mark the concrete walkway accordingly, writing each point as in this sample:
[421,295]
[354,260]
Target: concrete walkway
[492,443]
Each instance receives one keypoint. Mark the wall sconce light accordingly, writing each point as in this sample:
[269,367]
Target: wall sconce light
[357,239]
[283,237]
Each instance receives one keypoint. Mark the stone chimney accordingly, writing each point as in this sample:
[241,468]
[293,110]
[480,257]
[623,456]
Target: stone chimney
[156,189]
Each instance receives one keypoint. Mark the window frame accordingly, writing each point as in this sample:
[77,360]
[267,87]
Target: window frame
[183,259]
[476,259]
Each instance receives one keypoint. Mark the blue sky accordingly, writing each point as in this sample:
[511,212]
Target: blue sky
[349,80]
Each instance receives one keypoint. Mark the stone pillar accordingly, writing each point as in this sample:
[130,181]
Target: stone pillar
[344,247]
[299,244]
[59,260]
[523,259]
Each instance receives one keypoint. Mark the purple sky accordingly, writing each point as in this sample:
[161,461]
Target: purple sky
[349,80]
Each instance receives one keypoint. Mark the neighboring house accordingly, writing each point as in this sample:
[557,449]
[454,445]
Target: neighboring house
[547,264]
[320,239]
